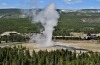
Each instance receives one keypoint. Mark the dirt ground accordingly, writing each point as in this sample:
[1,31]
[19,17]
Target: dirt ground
[89,45]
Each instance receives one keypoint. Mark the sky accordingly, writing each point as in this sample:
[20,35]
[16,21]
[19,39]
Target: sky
[60,4]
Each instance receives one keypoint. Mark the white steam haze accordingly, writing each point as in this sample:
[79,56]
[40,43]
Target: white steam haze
[48,17]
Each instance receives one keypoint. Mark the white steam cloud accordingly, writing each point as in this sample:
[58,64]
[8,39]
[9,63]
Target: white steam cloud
[48,18]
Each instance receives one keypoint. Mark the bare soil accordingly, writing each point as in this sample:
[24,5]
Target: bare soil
[89,45]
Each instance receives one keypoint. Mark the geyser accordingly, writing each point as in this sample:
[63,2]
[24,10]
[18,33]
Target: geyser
[48,17]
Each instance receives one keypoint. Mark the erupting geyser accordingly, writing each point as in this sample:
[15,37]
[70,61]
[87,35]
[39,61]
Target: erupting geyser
[48,18]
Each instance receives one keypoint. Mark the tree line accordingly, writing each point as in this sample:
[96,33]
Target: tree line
[14,38]
[22,56]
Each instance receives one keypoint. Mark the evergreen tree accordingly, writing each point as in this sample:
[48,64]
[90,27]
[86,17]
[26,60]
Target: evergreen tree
[0,39]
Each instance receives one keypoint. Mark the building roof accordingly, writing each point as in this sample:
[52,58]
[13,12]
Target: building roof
[9,32]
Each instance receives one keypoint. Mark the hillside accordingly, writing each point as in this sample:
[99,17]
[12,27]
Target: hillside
[22,25]
[70,21]
[75,24]
[11,13]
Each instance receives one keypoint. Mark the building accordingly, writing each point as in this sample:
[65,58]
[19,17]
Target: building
[9,33]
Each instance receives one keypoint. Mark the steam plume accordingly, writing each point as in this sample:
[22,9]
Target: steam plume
[48,18]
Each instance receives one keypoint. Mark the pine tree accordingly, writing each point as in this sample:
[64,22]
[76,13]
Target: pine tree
[27,54]
[60,61]
[0,39]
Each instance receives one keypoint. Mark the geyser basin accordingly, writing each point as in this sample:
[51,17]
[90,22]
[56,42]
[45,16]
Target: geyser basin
[41,45]
[56,46]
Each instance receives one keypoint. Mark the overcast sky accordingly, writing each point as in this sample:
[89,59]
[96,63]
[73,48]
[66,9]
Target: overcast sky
[60,4]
